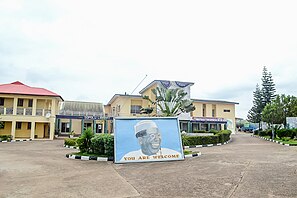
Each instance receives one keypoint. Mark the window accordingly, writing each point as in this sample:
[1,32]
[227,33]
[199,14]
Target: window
[65,127]
[226,110]
[18,125]
[29,125]
[213,112]
[204,110]
[30,103]
[1,101]
[20,102]
[135,109]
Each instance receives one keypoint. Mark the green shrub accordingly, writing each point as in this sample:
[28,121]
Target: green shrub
[267,132]
[70,142]
[200,131]
[97,144]
[5,137]
[84,141]
[220,137]
[214,131]
[109,145]
[103,144]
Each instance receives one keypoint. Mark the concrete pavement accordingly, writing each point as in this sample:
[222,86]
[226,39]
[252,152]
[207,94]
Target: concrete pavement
[247,167]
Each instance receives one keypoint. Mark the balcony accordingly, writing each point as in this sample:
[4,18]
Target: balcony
[23,111]
[6,110]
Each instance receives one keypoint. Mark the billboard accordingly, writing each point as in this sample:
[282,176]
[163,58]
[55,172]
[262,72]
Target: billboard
[147,139]
[291,122]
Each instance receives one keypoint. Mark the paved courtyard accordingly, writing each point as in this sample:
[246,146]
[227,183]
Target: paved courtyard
[247,167]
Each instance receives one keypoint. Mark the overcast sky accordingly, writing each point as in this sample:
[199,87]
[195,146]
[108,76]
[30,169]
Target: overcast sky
[91,50]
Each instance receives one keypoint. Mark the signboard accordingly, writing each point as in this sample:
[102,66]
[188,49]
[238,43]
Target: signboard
[291,122]
[147,139]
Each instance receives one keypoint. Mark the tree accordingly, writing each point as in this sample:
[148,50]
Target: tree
[281,107]
[268,87]
[170,102]
[254,114]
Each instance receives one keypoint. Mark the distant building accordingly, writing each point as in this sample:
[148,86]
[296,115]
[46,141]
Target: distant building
[209,114]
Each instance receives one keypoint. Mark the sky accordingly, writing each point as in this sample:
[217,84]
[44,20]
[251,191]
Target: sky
[91,50]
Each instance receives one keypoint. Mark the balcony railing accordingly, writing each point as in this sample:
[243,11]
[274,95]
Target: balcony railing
[6,110]
[23,111]
[39,112]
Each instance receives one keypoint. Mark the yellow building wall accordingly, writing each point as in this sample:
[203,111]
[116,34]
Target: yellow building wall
[76,126]
[39,130]
[8,102]
[7,129]
[198,109]
[24,132]
[125,103]
[150,94]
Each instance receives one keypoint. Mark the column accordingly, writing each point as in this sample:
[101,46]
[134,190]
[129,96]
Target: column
[94,126]
[13,125]
[189,127]
[15,106]
[105,126]
[208,127]
[53,108]
[70,125]
[60,126]
[34,106]
[82,125]
[52,131]
[32,130]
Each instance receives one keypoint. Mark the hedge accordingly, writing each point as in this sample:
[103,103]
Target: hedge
[5,137]
[220,137]
[102,144]
[70,142]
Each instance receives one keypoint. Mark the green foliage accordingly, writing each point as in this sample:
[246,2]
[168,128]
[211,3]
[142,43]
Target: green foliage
[70,142]
[170,102]
[286,133]
[266,133]
[220,137]
[254,114]
[103,144]
[268,87]
[6,137]
[281,107]
[84,141]
[200,131]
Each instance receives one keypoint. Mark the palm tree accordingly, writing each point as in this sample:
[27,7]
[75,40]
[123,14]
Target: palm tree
[170,102]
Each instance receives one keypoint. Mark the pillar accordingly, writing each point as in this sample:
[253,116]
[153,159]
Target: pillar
[189,127]
[13,125]
[70,125]
[32,130]
[105,126]
[15,106]
[94,126]
[82,125]
[52,129]
[34,107]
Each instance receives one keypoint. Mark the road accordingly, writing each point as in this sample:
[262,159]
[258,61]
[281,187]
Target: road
[247,167]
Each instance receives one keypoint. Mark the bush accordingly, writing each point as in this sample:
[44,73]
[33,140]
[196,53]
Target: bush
[84,141]
[267,132]
[70,142]
[102,144]
[6,137]
[200,131]
[220,137]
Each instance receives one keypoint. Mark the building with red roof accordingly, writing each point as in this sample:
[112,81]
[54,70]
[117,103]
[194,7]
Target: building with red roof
[28,112]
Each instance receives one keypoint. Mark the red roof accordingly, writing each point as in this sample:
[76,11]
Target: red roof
[20,88]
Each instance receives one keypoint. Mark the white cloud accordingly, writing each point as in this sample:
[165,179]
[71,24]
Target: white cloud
[107,47]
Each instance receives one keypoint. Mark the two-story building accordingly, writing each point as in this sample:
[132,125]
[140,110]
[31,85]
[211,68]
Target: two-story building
[209,114]
[28,112]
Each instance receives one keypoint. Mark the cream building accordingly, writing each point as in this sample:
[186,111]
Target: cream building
[28,112]
[209,114]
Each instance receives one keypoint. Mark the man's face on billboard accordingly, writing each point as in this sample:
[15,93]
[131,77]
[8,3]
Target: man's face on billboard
[150,141]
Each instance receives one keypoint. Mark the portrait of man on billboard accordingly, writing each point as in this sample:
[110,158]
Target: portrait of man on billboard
[149,141]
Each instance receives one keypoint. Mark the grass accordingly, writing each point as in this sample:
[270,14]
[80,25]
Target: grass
[88,154]
[288,141]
